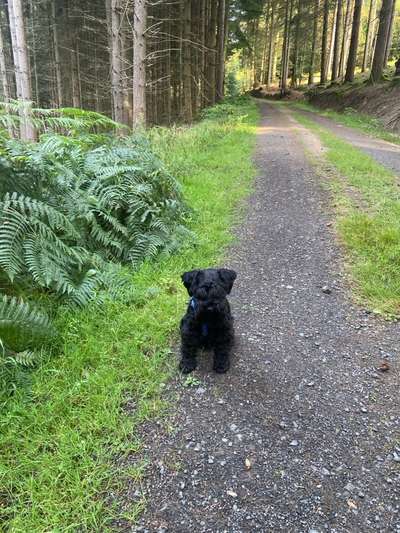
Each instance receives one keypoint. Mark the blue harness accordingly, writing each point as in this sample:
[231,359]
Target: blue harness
[193,305]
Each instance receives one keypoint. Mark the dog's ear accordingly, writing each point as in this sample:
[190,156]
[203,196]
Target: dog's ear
[188,278]
[227,277]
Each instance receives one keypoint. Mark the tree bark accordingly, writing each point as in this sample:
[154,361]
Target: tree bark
[346,38]
[56,47]
[226,24]
[75,85]
[390,36]
[21,63]
[355,32]
[211,53]
[381,42]
[336,51]
[332,43]
[187,64]
[296,44]
[324,46]
[114,26]
[314,43]
[286,48]
[367,46]
[3,64]
[221,50]
[139,59]
[271,47]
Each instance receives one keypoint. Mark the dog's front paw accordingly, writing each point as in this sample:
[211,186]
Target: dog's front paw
[222,365]
[186,366]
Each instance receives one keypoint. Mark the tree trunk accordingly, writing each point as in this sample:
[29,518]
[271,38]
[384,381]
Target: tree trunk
[139,59]
[168,69]
[381,42]
[367,46]
[355,32]
[336,51]
[324,46]
[226,23]
[345,38]
[34,69]
[332,43]
[126,80]
[3,64]
[211,59]
[390,36]
[296,45]
[195,54]
[256,63]
[114,29]
[221,50]
[75,85]
[286,48]
[271,48]
[203,53]
[314,43]
[21,63]
[187,64]
[56,47]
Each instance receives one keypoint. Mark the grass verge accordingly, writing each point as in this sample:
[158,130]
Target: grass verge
[352,118]
[371,233]
[58,439]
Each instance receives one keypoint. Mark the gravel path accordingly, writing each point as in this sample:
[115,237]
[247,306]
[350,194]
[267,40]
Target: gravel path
[385,153]
[302,435]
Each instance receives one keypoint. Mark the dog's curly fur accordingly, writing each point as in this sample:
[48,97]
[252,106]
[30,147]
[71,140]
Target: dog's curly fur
[208,322]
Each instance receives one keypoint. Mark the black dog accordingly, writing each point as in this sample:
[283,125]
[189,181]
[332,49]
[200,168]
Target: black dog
[208,322]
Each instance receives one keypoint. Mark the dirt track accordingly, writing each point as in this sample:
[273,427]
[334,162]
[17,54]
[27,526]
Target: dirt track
[302,435]
[385,153]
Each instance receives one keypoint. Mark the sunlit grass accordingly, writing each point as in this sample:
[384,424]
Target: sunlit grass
[371,234]
[59,438]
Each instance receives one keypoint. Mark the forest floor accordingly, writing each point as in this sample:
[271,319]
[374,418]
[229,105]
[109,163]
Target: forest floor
[302,435]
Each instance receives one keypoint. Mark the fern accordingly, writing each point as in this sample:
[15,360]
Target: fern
[67,119]
[76,210]
[21,327]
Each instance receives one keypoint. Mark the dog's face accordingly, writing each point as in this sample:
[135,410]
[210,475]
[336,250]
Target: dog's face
[209,287]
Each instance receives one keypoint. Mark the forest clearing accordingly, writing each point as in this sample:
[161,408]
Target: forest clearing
[132,149]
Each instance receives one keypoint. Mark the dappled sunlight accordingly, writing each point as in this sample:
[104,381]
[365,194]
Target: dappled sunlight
[263,130]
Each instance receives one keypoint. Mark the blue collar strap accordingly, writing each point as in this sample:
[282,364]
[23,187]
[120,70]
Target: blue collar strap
[204,327]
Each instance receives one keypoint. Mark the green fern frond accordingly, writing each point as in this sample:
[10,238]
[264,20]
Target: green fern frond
[18,314]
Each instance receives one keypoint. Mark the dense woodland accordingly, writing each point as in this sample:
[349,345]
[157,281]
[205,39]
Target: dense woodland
[296,42]
[162,61]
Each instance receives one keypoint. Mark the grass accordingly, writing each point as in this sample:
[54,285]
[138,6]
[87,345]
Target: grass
[354,119]
[371,233]
[59,438]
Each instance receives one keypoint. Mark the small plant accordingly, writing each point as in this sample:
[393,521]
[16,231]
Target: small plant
[191,381]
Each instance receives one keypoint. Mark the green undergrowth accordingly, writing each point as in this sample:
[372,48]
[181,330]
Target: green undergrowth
[60,434]
[370,229]
[354,119]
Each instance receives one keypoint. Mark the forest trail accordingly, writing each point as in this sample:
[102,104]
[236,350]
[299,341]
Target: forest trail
[384,152]
[301,434]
